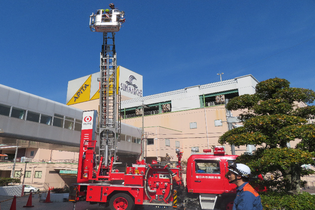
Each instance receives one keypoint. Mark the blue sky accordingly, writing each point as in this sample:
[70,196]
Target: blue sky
[173,43]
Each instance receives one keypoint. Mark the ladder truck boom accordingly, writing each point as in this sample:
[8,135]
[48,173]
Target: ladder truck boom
[109,124]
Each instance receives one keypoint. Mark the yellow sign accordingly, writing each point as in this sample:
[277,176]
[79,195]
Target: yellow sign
[83,94]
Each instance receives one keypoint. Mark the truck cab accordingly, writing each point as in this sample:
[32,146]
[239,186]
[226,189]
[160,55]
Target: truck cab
[205,176]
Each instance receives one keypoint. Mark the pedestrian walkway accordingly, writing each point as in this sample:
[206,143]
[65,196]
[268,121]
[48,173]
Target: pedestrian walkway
[22,201]
[310,190]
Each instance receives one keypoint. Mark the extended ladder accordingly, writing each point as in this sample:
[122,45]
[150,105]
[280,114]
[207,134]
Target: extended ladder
[109,123]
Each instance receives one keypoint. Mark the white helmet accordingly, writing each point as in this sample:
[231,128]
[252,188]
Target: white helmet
[240,169]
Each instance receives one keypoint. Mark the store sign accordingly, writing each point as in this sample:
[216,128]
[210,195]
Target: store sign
[87,136]
[68,172]
[88,119]
[131,87]
[81,91]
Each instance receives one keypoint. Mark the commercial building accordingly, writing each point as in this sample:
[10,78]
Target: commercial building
[40,139]
[189,118]
[193,117]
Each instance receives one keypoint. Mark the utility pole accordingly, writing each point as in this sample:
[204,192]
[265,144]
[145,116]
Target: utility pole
[220,75]
[230,127]
[24,172]
[142,136]
[14,162]
[143,142]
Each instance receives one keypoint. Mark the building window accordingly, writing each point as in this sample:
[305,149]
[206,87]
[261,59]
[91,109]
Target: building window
[167,142]
[138,141]
[150,141]
[18,113]
[45,119]
[78,125]
[134,140]
[38,174]
[69,122]
[4,110]
[32,116]
[217,123]
[193,125]
[32,153]
[128,138]
[218,98]
[17,174]
[122,137]
[58,120]
[177,144]
[27,174]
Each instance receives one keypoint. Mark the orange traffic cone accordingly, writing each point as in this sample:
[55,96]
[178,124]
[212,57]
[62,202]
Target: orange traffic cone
[47,198]
[29,201]
[13,205]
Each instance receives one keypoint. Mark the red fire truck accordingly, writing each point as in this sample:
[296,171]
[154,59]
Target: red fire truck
[98,181]
[155,184]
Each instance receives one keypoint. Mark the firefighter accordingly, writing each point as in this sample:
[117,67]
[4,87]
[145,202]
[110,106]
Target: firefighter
[247,197]
[112,6]
[106,15]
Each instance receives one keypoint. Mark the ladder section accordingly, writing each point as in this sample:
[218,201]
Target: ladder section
[109,124]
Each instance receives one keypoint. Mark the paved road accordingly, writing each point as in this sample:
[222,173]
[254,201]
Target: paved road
[6,203]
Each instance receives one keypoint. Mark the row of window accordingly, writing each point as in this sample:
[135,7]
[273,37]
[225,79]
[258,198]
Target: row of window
[37,174]
[162,107]
[56,120]
[150,141]
[150,109]
[130,139]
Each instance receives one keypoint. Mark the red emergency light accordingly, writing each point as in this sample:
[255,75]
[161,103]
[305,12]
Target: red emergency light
[206,150]
[219,150]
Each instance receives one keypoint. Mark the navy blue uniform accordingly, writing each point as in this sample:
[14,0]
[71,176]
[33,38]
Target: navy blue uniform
[247,198]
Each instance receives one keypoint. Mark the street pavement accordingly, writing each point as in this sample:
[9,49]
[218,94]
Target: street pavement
[6,202]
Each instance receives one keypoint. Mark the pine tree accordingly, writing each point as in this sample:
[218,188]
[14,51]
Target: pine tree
[272,118]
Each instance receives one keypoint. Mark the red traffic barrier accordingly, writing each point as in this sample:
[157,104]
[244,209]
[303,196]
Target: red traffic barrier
[47,198]
[13,205]
[29,201]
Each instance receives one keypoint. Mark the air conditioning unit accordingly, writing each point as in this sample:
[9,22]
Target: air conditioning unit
[25,159]
[138,111]
[220,99]
[166,107]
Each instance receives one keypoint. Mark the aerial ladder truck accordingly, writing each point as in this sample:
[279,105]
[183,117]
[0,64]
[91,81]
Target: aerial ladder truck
[142,183]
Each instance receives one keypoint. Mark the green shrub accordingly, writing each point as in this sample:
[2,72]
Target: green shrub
[6,181]
[281,201]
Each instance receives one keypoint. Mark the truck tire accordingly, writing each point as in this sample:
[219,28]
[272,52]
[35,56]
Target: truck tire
[228,205]
[121,201]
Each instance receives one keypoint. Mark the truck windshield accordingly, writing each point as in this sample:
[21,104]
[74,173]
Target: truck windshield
[208,166]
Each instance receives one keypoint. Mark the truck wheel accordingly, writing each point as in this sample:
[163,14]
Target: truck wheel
[229,206]
[121,201]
